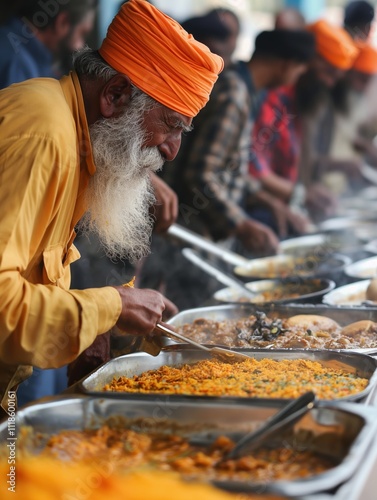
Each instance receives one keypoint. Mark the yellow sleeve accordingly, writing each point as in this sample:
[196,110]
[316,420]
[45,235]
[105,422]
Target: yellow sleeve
[41,324]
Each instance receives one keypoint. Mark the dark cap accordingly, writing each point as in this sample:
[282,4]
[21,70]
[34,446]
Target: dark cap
[208,26]
[358,12]
[297,45]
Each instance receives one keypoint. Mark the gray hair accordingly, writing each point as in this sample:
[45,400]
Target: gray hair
[88,63]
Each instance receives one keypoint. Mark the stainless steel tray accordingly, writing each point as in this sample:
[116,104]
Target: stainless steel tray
[352,427]
[342,315]
[137,363]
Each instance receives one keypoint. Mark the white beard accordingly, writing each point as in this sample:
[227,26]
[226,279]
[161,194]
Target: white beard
[120,194]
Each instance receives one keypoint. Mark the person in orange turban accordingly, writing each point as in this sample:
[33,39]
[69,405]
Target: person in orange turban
[334,44]
[141,36]
[87,151]
[355,124]
[366,60]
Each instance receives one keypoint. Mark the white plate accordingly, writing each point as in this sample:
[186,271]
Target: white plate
[322,244]
[302,243]
[278,266]
[363,269]
[348,295]
[285,266]
[371,247]
[363,229]
[369,193]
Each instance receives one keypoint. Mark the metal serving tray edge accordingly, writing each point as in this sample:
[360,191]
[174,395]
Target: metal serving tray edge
[342,315]
[81,412]
[137,363]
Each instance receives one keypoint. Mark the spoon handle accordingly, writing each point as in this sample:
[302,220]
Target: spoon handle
[284,416]
[178,336]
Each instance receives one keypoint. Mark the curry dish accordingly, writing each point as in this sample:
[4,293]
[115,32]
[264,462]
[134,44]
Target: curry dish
[283,292]
[126,448]
[249,378]
[302,331]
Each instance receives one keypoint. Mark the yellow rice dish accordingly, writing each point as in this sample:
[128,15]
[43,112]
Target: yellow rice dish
[250,378]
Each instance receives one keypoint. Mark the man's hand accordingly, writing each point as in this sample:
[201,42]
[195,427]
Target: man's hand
[300,223]
[165,209]
[320,202]
[282,214]
[257,237]
[142,309]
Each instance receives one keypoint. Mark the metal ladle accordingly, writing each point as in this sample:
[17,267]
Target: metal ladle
[224,354]
[221,277]
[284,418]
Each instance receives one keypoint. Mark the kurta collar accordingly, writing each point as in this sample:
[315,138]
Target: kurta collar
[72,91]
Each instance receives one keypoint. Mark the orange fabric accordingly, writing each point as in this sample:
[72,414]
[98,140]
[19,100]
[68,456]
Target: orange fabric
[366,60]
[334,44]
[160,57]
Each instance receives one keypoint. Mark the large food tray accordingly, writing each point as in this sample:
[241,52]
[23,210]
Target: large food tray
[137,363]
[351,426]
[342,315]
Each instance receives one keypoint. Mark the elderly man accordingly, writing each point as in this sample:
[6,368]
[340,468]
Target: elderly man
[88,143]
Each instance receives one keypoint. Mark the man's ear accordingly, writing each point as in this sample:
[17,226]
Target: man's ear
[115,95]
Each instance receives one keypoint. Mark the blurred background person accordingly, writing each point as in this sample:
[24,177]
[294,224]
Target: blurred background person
[231,21]
[335,54]
[277,140]
[279,58]
[355,117]
[358,19]
[36,39]
[289,19]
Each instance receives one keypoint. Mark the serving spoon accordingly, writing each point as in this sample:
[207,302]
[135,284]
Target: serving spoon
[222,277]
[284,418]
[224,354]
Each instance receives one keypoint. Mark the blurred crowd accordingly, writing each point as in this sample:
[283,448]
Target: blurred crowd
[282,138]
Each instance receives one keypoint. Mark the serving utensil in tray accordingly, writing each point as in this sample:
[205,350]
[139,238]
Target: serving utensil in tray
[225,355]
[202,243]
[342,431]
[180,354]
[281,420]
[221,277]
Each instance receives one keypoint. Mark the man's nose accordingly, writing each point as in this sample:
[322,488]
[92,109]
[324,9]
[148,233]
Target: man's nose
[170,147]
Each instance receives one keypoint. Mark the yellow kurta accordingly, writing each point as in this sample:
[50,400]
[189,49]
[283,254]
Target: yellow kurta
[45,165]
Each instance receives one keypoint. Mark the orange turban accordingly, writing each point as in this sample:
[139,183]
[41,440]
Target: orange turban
[366,61]
[160,57]
[334,44]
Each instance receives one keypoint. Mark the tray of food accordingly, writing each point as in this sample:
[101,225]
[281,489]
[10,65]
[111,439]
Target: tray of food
[321,451]
[183,372]
[279,291]
[282,326]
